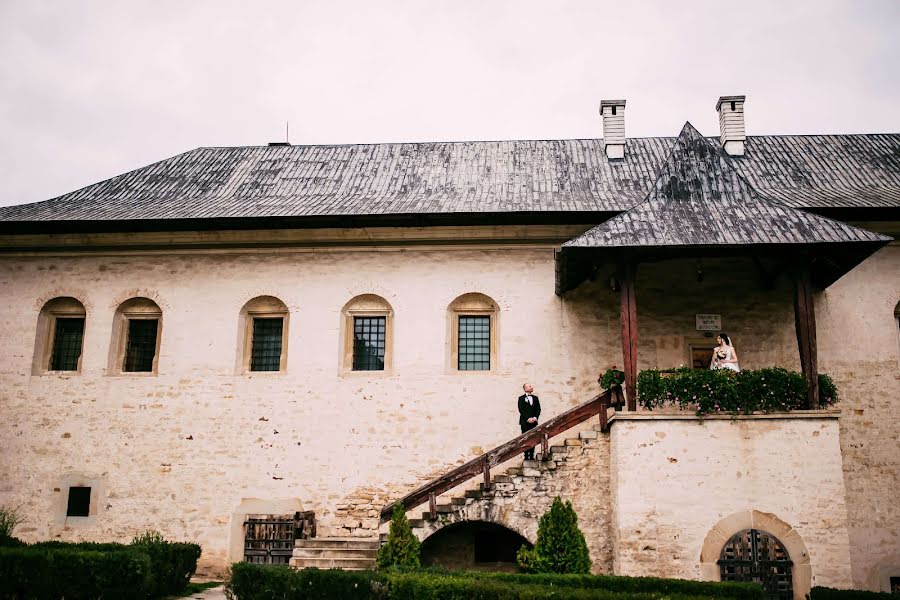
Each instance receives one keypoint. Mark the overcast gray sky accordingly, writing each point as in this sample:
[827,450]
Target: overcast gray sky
[91,89]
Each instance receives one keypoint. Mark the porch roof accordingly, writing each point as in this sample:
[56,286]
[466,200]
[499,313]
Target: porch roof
[701,205]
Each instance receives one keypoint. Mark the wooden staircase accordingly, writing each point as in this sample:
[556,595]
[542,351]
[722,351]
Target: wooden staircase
[541,434]
[507,483]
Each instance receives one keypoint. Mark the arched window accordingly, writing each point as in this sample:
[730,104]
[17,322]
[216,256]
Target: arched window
[263,325]
[367,322]
[137,330]
[756,556]
[473,320]
[60,336]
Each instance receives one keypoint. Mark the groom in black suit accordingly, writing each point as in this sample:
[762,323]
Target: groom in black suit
[529,411]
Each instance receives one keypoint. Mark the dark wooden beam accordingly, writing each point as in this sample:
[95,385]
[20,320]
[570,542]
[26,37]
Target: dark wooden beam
[627,271]
[805,323]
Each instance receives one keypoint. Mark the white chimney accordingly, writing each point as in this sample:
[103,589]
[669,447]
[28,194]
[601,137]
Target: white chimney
[731,124]
[613,112]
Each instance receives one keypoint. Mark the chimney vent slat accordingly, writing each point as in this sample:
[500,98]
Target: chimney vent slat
[731,124]
[613,113]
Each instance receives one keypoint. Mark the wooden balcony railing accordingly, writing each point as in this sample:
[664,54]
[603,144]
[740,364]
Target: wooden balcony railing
[482,464]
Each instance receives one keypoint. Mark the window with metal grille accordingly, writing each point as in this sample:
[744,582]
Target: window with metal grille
[368,343]
[79,502]
[140,347]
[757,556]
[67,343]
[265,354]
[474,343]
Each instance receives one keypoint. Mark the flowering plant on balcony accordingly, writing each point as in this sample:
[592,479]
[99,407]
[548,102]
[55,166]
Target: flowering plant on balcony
[722,391]
[611,378]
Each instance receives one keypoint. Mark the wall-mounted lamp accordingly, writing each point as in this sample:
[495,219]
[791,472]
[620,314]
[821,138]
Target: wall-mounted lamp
[614,284]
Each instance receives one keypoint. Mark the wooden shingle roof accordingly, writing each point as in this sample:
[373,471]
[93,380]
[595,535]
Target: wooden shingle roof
[701,205]
[558,176]
[700,199]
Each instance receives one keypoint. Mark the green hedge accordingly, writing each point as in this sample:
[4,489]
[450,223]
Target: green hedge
[91,570]
[824,593]
[431,586]
[259,582]
[74,574]
[724,391]
[619,584]
[262,582]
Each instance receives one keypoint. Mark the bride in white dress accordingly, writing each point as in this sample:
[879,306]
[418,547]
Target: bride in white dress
[724,356]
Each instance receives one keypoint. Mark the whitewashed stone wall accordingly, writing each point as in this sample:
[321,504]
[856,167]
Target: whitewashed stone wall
[678,477]
[188,450]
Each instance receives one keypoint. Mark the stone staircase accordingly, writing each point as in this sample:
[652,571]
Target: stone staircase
[528,482]
[349,554]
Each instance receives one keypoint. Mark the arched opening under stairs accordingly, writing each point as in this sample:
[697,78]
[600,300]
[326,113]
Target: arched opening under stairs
[473,545]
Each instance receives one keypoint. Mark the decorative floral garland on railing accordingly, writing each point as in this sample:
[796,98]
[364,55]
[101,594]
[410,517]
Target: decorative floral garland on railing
[724,391]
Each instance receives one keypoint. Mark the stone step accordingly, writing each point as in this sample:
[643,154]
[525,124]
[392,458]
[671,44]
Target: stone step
[476,494]
[369,553]
[458,501]
[337,542]
[347,564]
[589,435]
[573,442]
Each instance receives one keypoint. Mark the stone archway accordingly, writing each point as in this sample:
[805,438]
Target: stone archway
[724,530]
[473,545]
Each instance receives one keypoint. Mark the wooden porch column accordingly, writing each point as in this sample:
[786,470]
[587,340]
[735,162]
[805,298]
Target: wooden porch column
[627,271]
[805,322]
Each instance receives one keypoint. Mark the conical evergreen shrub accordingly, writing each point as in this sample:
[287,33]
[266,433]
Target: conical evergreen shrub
[560,546]
[401,551]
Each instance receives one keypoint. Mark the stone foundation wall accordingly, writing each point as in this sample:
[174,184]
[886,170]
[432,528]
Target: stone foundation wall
[682,481]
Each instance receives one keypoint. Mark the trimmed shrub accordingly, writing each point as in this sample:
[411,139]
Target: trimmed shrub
[430,586]
[73,573]
[402,549]
[270,582]
[611,378]
[824,593]
[631,585]
[560,546]
[261,582]
[723,391]
[171,563]
[170,566]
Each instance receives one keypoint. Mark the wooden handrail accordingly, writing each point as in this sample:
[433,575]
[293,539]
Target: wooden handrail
[482,464]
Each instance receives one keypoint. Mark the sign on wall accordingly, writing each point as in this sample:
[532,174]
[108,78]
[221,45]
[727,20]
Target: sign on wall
[709,322]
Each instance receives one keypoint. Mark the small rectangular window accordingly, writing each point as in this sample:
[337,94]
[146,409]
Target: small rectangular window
[475,343]
[79,502]
[67,343]
[265,354]
[368,343]
[140,348]
[895,584]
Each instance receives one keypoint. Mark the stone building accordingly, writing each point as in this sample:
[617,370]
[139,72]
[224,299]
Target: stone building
[237,338]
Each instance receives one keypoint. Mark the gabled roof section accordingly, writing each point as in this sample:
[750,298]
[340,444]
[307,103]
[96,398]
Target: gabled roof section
[565,177]
[700,199]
